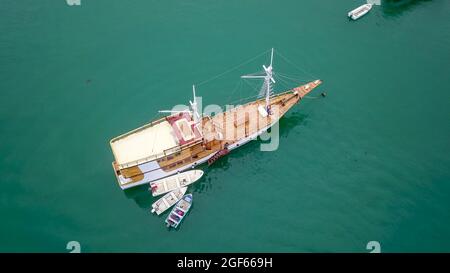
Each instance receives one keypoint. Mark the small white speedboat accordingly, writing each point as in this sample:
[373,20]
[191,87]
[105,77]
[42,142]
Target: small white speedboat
[168,200]
[175,182]
[359,11]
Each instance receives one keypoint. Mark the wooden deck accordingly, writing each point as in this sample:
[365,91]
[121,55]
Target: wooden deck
[234,125]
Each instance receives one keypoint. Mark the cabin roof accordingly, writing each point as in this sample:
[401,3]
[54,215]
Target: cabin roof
[155,140]
[184,128]
[145,142]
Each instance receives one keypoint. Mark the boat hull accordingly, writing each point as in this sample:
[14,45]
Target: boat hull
[168,200]
[175,181]
[360,11]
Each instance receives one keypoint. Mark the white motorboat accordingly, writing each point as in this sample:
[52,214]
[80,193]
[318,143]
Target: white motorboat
[168,200]
[174,182]
[360,11]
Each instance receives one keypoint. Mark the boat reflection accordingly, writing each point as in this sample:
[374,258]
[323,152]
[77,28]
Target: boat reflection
[396,8]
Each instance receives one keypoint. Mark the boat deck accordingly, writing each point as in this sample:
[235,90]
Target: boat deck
[155,140]
[147,141]
[246,120]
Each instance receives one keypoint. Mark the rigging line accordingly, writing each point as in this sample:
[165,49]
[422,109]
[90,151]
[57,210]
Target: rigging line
[251,97]
[238,85]
[252,87]
[280,78]
[231,69]
[296,81]
[290,75]
[292,79]
[284,83]
[287,85]
[286,59]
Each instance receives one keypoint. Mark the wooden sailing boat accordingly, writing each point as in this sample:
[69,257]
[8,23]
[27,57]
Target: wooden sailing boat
[185,139]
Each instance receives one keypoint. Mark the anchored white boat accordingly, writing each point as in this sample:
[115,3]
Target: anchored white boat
[168,200]
[174,182]
[179,211]
[359,11]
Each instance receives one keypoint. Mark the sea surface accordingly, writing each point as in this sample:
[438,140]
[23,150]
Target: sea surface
[369,162]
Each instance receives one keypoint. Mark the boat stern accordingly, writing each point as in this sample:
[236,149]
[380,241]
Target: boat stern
[121,181]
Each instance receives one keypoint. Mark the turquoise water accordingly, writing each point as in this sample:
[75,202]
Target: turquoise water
[370,162]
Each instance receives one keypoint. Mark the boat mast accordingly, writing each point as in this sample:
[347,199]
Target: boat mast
[266,88]
[194,110]
[195,114]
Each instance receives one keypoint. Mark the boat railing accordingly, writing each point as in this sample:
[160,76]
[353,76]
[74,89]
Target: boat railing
[165,153]
[140,161]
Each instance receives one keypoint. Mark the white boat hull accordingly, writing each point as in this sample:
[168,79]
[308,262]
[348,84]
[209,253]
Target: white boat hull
[360,11]
[168,200]
[174,182]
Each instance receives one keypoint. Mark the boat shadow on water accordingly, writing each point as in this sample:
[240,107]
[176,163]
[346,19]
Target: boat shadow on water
[144,199]
[395,8]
